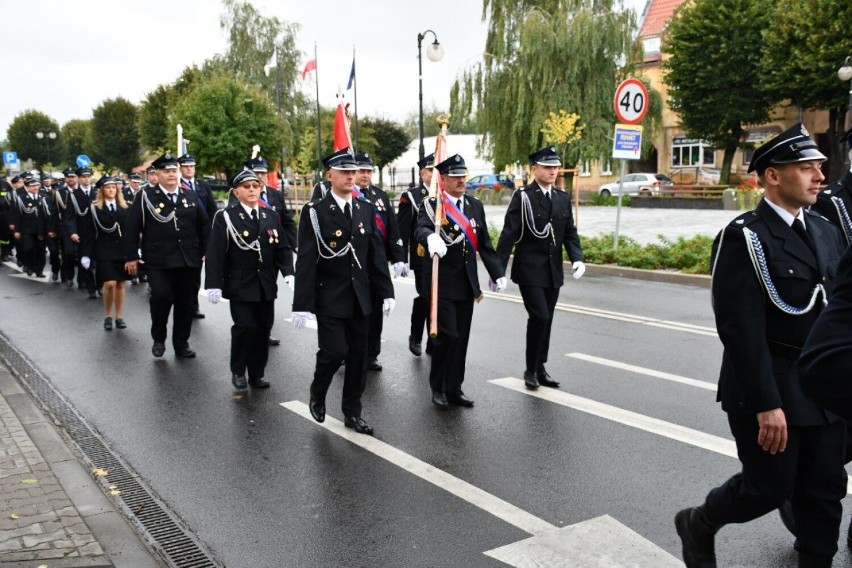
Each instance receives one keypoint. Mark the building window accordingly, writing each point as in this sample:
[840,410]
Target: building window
[584,169]
[651,46]
[692,152]
[606,168]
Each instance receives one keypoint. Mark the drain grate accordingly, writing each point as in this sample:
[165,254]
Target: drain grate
[158,525]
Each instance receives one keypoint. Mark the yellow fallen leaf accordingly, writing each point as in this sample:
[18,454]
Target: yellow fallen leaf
[42,566]
[100,472]
[13,516]
[115,492]
[238,397]
[29,481]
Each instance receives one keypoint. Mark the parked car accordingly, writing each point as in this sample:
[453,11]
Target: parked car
[490,181]
[634,184]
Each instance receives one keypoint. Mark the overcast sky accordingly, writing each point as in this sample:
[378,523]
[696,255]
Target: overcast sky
[63,57]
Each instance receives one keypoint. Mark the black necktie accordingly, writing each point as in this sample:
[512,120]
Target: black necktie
[460,206]
[254,214]
[112,207]
[347,211]
[800,229]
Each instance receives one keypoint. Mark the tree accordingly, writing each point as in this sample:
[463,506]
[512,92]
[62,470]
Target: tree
[224,118]
[431,127]
[74,135]
[114,134]
[542,56]
[390,141]
[713,105]
[804,46]
[562,130]
[22,139]
[154,118]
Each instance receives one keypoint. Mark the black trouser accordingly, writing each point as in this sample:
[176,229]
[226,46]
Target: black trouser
[449,348]
[54,247]
[341,339]
[197,276]
[31,253]
[540,303]
[420,306]
[249,347]
[69,258]
[809,472]
[171,286]
[376,325]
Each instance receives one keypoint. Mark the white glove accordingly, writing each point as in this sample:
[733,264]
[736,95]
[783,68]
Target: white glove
[500,285]
[214,295]
[579,269]
[400,269]
[290,281]
[85,262]
[300,319]
[388,306]
[436,245]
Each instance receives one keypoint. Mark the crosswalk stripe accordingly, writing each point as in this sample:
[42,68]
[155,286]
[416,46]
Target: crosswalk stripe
[461,489]
[643,371]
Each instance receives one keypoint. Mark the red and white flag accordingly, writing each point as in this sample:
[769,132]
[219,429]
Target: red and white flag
[342,138]
[309,66]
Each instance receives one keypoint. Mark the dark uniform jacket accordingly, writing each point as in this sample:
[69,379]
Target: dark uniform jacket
[332,286]
[27,215]
[127,193]
[51,212]
[835,204]
[206,199]
[320,191]
[275,201]
[392,240]
[108,243]
[407,217]
[242,274]
[458,278]
[762,341]
[179,242]
[538,261]
[78,220]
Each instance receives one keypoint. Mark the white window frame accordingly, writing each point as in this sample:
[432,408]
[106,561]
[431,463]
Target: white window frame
[689,146]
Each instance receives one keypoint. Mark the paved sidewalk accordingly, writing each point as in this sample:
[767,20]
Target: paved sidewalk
[52,512]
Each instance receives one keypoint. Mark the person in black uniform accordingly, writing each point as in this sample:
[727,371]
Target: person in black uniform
[29,228]
[54,245]
[340,261]
[246,251]
[407,217]
[6,191]
[206,201]
[70,257]
[173,230]
[771,274]
[109,218]
[80,228]
[539,223]
[464,233]
[320,190]
[835,201]
[389,232]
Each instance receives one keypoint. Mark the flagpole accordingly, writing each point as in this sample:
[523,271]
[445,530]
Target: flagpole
[355,96]
[436,190]
[319,126]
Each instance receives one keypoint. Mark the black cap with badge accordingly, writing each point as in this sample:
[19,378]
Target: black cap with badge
[165,162]
[187,160]
[364,161]
[545,157]
[342,160]
[453,166]
[243,176]
[792,145]
[427,162]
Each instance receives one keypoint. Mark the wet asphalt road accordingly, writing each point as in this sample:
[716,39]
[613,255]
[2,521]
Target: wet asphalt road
[262,486]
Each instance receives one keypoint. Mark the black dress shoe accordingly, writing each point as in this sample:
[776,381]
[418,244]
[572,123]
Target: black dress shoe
[93,296]
[439,399]
[39,275]
[239,381]
[358,424]
[54,277]
[30,272]
[108,323]
[69,283]
[429,346]
[459,399]
[317,409]
[697,534]
[259,383]
[374,365]
[198,315]
[158,349]
[184,353]
[530,380]
[273,341]
[414,346]
[119,323]
[543,378]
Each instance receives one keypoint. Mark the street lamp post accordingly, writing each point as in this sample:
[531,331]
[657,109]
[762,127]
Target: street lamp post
[845,74]
[434,52]
[47,138]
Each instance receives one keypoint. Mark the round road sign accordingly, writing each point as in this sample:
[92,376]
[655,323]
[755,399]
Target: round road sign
[631,101]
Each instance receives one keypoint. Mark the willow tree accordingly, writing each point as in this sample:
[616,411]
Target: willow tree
[543,56]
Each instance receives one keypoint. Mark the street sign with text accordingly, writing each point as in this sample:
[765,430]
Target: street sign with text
[627,142]
[631,101]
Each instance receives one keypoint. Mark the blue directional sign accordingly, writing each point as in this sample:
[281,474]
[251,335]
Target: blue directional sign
[627,142]
[83,161]
[10,158]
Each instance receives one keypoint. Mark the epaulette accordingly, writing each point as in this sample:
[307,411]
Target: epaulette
[743,219]
[559,189]
[816,214]
[364,199]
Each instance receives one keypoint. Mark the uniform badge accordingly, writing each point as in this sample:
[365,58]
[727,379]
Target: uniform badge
[263,214]
[456,227]
[473,223]
[338,233]
[333,244]
[245,233]
[271,240]
[362,230]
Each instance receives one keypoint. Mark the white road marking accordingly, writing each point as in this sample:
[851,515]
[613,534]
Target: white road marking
[643,371]
[602,542]
[627,417]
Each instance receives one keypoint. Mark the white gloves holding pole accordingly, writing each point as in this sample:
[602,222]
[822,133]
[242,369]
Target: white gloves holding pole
[436,245]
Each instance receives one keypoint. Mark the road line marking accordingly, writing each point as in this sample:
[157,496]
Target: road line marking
[643,371]
[489,503]
[627,417]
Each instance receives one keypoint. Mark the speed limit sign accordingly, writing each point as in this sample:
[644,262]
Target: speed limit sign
[631,101]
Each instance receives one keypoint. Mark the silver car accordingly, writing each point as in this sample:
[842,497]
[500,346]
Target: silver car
[634,184]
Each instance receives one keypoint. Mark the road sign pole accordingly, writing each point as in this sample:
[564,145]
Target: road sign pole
[618,208]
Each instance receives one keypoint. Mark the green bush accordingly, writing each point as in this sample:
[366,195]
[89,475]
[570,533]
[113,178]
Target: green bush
[612,200]
[691,256]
